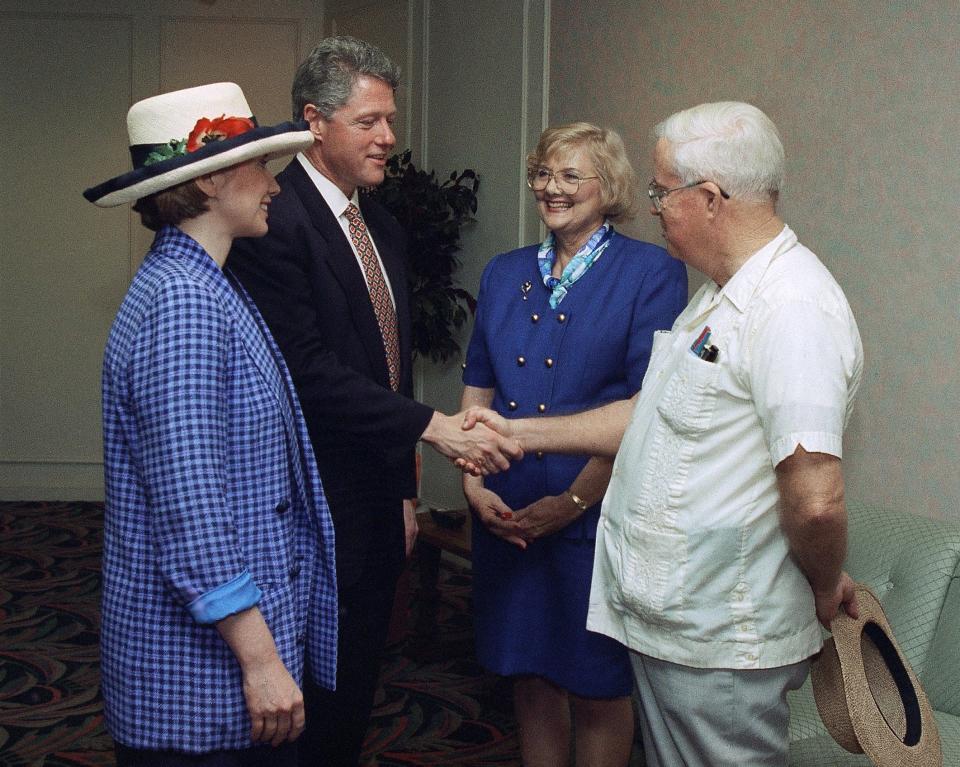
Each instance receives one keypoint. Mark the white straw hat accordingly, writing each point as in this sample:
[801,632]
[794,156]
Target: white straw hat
[178,136]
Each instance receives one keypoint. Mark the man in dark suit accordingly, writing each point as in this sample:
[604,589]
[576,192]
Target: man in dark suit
[330,280]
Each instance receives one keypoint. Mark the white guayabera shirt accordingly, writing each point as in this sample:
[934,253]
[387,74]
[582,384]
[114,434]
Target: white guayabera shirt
[691,564]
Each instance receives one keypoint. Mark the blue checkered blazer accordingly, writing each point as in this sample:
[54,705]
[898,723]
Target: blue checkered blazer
[213,504]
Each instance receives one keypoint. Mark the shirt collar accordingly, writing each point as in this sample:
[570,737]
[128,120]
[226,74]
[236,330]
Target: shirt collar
[173,240]
[336,200]
[741,287]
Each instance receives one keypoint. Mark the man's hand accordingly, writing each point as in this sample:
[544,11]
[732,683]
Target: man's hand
[274,702]
[483,417]
[546,516]
[488,417]
[481,448]
[410,526]
[495,515]
[829,603]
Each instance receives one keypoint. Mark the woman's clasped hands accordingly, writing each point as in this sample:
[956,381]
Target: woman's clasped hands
[523,526]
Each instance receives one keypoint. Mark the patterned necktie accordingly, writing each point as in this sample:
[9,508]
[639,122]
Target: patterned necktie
[379,293]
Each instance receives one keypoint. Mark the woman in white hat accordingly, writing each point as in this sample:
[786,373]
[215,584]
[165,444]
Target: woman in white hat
[218,571]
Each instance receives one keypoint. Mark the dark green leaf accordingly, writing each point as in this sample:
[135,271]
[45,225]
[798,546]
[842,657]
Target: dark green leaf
[432,215]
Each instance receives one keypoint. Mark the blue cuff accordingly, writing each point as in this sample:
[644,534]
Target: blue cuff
[233,597]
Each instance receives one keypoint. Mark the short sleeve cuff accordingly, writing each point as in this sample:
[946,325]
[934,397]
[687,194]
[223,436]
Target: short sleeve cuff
[233,597]
[812,441]
[476,375]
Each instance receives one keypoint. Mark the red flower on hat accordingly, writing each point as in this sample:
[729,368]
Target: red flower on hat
[217,129]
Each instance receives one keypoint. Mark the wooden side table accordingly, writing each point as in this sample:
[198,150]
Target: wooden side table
[432,540]
[455,539]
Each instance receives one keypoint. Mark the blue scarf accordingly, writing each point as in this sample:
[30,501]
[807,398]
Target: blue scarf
[582,260]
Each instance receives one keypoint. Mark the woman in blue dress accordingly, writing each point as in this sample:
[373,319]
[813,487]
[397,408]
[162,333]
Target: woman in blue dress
[561,327]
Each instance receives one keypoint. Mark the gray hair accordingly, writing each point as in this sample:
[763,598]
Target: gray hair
[326,78]
[731,143]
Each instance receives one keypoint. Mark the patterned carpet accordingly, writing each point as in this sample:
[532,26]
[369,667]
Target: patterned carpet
[435,705]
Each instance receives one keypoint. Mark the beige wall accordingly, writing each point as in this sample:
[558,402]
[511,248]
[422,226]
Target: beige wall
[472,96]
[67,77]
[864,93]
[866,97]
[485,79]
[391,25]
[473,90]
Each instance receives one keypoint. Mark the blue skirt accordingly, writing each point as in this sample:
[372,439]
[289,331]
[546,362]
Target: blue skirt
[530,610]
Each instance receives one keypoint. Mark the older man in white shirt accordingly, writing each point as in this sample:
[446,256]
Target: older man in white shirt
[723,531]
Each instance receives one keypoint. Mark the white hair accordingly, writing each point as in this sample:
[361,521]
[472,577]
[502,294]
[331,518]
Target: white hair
[731,143]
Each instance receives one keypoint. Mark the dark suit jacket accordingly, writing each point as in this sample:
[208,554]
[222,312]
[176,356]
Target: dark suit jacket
[305,279]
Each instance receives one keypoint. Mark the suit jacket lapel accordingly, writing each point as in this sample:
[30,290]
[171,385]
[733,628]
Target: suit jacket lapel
[342,261]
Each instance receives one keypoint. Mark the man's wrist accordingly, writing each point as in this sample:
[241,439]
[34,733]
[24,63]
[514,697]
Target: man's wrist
[434,426]
[522,432]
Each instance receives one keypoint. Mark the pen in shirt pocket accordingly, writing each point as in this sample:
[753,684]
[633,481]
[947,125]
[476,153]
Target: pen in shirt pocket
[710,353]
[702,347]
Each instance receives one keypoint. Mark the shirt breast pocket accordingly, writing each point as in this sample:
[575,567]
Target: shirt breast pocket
[689,397]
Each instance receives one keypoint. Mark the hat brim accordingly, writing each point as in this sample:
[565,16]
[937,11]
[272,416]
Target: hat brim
[898,731]
[270,141]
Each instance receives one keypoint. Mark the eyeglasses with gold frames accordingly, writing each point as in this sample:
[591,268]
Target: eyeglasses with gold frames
[567,181]
[657,192]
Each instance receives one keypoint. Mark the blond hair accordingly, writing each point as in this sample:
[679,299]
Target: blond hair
[604,148]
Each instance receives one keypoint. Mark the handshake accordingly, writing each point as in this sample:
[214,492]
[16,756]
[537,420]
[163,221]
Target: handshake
[478,440]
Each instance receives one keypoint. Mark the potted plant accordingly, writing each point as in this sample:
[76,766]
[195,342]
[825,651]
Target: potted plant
[432,215]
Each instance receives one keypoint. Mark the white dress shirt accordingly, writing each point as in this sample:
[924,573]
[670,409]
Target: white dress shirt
[337,201]
[691,564]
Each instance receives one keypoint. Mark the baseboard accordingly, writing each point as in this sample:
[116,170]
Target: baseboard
[28,493]
[51,481]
